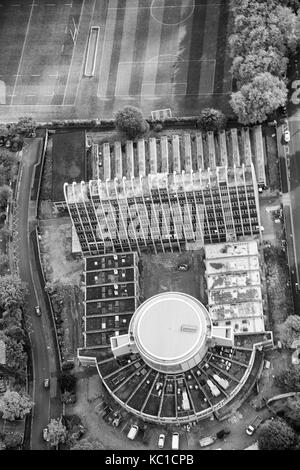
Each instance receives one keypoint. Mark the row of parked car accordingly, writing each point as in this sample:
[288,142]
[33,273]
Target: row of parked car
[134,429]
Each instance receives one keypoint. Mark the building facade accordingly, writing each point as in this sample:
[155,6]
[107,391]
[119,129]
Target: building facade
[164,212]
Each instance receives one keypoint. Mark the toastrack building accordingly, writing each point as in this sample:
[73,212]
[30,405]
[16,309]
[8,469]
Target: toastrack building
[164,212]
[165,360]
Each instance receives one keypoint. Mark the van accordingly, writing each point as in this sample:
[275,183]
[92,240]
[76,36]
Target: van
[175,441]
[133,432]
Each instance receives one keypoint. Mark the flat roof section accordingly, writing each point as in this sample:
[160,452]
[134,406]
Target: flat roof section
[170,328]
[224,250]
[228,265]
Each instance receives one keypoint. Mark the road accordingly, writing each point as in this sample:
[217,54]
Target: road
[44,363]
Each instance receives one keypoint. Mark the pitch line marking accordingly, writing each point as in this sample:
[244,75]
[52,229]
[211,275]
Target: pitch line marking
[23,49]
[73,52]
[85,51]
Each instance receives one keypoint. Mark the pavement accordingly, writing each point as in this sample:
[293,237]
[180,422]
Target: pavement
[43,365]
[289,158]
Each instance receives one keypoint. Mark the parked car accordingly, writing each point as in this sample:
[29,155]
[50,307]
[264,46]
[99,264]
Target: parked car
[207,441]
[223,432]
[253,425]
[161,441]
[133,432]
[38,311]
[8,143]
[287,136]
[45,434]
[183,267]
[46,383]
[175,441]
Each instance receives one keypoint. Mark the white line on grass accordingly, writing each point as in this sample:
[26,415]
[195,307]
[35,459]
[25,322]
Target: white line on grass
[68,77]
[23,49]
[85,49]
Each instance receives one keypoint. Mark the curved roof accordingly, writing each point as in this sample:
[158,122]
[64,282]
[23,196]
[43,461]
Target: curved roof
[170,328]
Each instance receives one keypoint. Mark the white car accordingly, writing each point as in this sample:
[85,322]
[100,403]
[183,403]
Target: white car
[45,435]
[161,441]
[287,135]
[133,432]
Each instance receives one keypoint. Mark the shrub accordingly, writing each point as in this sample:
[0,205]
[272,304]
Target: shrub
[289,330]
[256,100]
[211,120]
[158,127]
[131,121]
[276,435]
[289,379]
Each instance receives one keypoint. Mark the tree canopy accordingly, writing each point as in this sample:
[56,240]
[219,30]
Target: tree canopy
[289,379]
[86,444]
[211,120]
[14,405]
[275,435]
[57,432]
[12,292]
[263,35]
[289,330]
[259,98]
[131,121]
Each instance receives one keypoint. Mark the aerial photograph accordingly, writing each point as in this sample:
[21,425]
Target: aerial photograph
[149,227]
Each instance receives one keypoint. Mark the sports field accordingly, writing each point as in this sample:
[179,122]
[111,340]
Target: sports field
[88,58]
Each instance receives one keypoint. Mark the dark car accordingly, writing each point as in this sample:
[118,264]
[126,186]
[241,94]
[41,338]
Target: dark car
[223,432]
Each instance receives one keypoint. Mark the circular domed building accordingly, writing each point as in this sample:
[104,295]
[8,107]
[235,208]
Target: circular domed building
[171,331]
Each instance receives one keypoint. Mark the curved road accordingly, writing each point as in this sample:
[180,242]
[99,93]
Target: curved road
[45,362]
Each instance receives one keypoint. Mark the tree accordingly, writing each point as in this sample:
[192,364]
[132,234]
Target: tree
[275,435]
[211,120]
[86,444]
[67,382]
[4,262]
[12,292]
[256,100]
[14,405]
[289,379]
[3,130]
[57,432]
[131,121]
[289,330]
[5,194]
[244,69]
[13,440]
[16,357]
[26,126]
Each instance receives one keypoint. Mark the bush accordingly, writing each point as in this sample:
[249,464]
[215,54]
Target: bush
[276,435]
[289,330]
[211,120]
[256,100]
[289,379]
[131,121]
[67,382]
[158,127]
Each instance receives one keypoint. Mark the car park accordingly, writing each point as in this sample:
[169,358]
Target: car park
[161,441]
